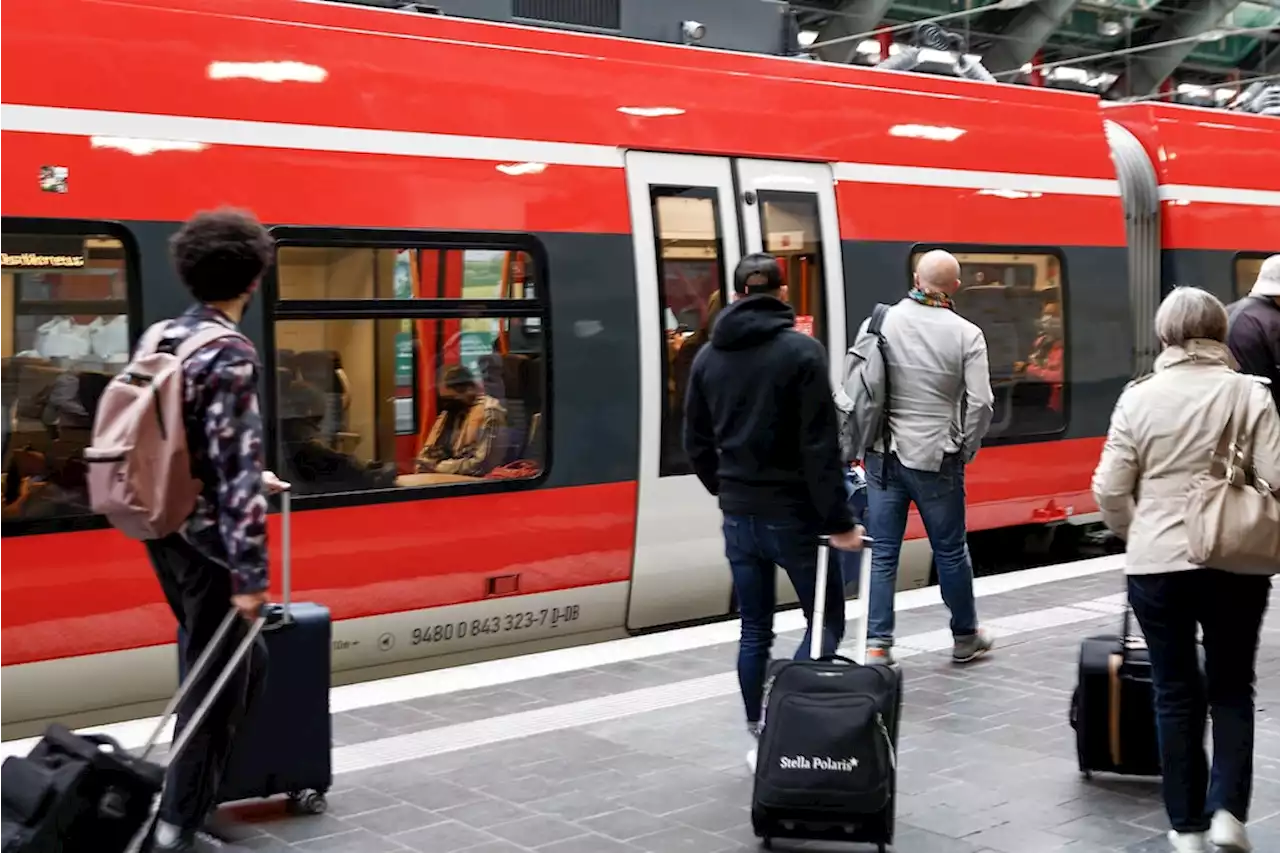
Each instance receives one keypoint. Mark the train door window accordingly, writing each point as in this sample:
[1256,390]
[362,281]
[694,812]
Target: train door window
[1016,299]
[1246,269]
[691,290]
[65,332]
[408,367]
[789,230]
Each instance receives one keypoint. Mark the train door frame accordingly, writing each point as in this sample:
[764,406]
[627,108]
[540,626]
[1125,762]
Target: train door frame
[679,573]
[759,180]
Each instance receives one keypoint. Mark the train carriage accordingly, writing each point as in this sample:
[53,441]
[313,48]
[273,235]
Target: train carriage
[557,214]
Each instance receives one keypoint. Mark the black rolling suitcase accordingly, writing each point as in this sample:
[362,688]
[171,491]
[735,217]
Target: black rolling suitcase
[86,793]
[285,744]
[1112,710]
[826,766]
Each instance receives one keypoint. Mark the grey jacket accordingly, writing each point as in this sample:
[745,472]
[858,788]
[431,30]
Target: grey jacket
[940,386]
[1163,433]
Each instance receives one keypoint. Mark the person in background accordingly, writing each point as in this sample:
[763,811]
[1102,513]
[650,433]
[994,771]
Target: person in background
[940,407]
[220,553]
[1045,362]
[461,441]
[1254,328]
[761,433]
[1163,434]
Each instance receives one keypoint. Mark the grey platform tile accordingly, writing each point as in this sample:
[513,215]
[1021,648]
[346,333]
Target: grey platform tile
[392,716]
[663,801]
[1009,838]
[716,815]
[588,844]
[626,823]
[304,828]
[437,794]
[346,802]
[393,819]
[683,839]
[447,837]
[487,812]
[1103,830]
[574,805]
[537,830]
[356,841]
[496,847]
[266,844]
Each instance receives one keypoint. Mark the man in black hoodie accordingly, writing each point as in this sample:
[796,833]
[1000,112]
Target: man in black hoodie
[762,434]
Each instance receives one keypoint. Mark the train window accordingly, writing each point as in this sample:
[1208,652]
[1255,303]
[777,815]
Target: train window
[1017,300]
[686,227]
[65,299]
[418,393]
[1246,271]
[789,227]
[365,273]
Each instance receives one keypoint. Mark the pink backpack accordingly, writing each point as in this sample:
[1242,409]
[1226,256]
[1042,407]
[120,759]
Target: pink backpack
[139,466]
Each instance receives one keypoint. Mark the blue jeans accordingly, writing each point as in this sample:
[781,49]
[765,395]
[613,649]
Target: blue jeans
[939,496]
[756,547]
[850,561]
[1229,608]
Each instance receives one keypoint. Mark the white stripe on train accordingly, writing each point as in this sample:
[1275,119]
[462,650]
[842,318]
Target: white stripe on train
[211,131]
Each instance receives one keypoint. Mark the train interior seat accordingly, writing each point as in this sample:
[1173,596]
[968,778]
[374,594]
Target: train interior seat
[989,308]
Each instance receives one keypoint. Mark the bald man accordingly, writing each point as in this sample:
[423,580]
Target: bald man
[939,409]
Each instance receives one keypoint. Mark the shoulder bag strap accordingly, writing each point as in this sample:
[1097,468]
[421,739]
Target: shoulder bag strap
[878,315]
[203,338]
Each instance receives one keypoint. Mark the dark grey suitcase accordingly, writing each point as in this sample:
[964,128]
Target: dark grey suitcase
[285,744]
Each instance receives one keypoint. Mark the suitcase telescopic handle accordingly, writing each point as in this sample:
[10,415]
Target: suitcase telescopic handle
[197,672]
[286,551]
[818,621]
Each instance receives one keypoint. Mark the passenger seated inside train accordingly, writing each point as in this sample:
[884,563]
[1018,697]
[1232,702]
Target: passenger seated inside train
[462,439]
[312,465]
[1044,364]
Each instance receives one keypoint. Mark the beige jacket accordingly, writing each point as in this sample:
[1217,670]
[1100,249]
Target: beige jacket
[1164,431]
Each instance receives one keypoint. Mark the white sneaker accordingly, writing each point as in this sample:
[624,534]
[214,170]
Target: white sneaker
[1188,842]
[1227,832]
[751,760]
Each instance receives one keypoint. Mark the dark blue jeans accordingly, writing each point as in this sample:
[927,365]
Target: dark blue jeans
[1229,609]
[755,547]
[939,496]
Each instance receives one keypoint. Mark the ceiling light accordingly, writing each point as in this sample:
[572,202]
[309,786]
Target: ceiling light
[693,31]
[927,131]
[651,112]
[807,37]
[1110,28]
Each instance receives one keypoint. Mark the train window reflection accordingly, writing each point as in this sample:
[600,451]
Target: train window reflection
[65,333]
[1017,301]
[420,395]
[686,227]
[1246,271]
[789,227]
[316,273]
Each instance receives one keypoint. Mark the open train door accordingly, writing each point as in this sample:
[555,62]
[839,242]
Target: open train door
[691,216]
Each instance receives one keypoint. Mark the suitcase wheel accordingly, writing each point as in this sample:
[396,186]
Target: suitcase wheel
[307,802]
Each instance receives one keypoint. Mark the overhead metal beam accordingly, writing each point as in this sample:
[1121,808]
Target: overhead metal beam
[1026,34]
[1150,68]
[850,18]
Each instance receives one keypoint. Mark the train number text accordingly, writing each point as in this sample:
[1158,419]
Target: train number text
[550,617]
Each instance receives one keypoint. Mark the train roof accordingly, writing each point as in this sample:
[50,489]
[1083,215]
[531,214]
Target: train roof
[302,62]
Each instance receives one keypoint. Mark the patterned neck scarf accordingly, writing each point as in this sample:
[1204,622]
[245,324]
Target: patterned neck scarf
[931,298]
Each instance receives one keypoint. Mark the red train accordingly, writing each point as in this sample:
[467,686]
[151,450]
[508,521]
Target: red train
[555,213]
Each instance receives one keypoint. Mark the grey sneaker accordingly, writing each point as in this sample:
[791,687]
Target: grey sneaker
[972,647]
[882,655]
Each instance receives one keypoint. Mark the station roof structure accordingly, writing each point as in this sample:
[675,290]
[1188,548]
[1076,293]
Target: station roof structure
[1189,51]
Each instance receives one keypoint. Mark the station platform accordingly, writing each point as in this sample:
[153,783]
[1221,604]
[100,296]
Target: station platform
[639,744]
